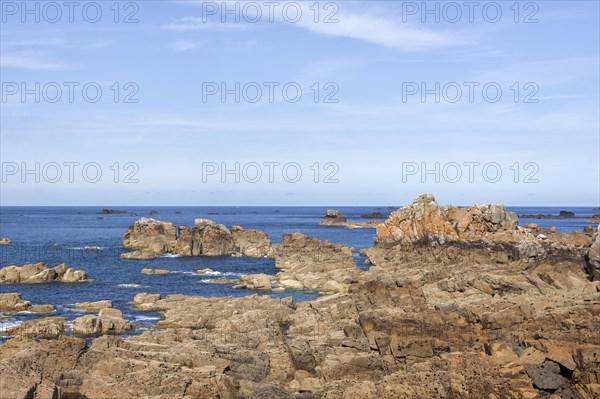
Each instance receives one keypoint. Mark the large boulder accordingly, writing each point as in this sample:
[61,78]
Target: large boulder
[205,238]
[40,273]
[253,243]
[145,301]
[151,236]
[47,328]
[108,321]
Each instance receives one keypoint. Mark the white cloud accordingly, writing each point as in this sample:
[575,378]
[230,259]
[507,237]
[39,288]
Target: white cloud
[383,31]
[29,60]
[185,45]
[186,24]
[370,27]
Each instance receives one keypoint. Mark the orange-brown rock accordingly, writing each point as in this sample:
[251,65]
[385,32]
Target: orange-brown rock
[455,316]
[41,273]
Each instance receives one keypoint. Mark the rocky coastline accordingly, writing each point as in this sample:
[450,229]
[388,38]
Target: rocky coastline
[456,303]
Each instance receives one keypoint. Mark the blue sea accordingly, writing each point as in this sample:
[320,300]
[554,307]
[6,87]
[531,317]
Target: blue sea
[60,234]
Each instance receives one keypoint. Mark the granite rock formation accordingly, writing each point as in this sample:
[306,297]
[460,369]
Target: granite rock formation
[252,243]
[460,303]
[12,302]
[41,273]
[307,263]
[333,218]
[108,321]
[149,238]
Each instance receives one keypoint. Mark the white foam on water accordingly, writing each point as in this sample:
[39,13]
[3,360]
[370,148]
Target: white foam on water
[129,285]
[170,256]
[146,318]
[227,274]
[8,324]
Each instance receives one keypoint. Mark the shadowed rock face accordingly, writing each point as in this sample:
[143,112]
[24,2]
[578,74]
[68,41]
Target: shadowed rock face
[205,238]
[40,273]
[593,258]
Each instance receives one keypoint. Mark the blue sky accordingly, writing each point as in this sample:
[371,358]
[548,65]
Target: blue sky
[369,52]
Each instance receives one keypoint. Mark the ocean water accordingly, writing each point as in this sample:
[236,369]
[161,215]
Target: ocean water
[60,234]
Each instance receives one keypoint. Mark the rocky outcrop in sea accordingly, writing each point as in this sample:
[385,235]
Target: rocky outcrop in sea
[151,238]
[41,273]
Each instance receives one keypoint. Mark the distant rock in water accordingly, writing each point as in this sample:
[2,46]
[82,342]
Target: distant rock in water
[333,218]
[40,273]
[374,215]
[153,212]
[5,241]
[150,238]
[106,211]
[155,271]
[561,215]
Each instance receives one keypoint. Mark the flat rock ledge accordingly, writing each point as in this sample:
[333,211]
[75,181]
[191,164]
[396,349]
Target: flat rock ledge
[108,321]
[41,273]
[12,302]
[46,328]
[336,219]
[94,307]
